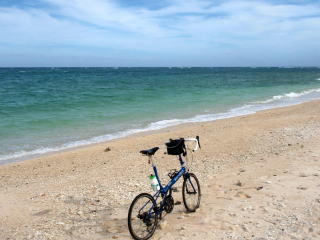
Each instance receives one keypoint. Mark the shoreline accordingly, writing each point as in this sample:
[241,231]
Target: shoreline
[214,117]
[85,193]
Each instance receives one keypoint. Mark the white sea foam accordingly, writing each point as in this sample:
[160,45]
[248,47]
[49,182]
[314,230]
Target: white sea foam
[291,95]
[274,102]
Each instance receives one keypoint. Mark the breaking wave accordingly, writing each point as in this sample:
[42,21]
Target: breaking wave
[274,102]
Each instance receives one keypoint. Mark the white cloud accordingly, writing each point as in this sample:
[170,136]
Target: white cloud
[195,28]
[107,15]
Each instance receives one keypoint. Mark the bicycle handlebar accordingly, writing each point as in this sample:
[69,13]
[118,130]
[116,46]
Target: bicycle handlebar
[151,152]
[197,140]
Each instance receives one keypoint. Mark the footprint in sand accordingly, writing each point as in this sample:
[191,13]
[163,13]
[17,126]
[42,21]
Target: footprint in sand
[114,226]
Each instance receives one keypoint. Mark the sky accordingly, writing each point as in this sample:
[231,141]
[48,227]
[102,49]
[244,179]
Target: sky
[138,33]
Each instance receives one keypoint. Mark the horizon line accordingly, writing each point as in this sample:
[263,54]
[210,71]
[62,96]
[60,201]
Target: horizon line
[301,66]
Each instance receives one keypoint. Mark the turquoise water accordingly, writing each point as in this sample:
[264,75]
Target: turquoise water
[48,109]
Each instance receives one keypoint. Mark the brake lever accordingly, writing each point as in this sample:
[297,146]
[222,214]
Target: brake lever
[198,139]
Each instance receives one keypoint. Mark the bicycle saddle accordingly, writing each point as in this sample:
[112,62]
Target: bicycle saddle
[150,151]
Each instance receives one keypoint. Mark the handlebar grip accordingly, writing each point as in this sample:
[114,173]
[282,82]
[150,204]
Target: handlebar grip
[198,139]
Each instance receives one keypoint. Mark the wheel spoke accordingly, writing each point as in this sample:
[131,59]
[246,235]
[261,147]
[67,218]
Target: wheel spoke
[191,193]
[142,219]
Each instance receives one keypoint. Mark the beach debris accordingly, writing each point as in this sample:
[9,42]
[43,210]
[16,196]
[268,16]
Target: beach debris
[268,182]
[238,183]
[242,195]
[43,212]
[177,203]
[309,229]
[259,188]
[244,228]
[108,149]
[302,188]
[80,212]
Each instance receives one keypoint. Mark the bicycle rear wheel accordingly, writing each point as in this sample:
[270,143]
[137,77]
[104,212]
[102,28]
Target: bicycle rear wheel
[191,193]
[142,218]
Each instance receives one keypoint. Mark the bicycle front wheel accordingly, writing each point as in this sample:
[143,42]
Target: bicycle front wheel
[191,193]
[142,217]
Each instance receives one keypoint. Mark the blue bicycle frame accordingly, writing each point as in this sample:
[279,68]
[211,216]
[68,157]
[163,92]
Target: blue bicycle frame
[164,189]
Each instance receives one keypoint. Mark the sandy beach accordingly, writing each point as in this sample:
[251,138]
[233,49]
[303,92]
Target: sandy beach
[260,179]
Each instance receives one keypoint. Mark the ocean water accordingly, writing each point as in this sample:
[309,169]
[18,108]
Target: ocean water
[49,109]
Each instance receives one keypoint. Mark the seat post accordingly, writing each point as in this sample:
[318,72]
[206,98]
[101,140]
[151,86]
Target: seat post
[151,160]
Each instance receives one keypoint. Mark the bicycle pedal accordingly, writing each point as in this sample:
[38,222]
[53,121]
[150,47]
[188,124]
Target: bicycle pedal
[174,189]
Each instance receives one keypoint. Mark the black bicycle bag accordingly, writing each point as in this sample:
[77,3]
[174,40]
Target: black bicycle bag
[176,147]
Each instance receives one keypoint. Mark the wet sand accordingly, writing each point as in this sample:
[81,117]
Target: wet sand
[260,179]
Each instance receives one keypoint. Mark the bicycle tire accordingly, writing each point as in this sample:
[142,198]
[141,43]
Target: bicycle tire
[147,220]
[189,188]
